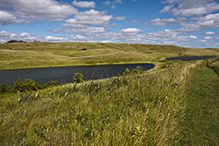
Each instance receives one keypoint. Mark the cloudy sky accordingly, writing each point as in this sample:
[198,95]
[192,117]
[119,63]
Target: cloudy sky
[187,23]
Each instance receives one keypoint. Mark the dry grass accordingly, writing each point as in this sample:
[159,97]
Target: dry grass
[143,109]
[45,54]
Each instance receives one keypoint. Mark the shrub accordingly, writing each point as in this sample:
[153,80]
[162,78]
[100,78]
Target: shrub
[126,72]
[5,88]
[78,78]
[26,85]
[138,70]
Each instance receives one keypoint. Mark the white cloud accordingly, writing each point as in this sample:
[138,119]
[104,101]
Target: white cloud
[7,18]
[50,10]
[166,9]
[131,30]
[209,33]
[55,38]
[136,21]
[89,18]
[161,22]
[107,3]
[190,7]
[82,30]
[120,18]
[79,38]
[84,4]
[208,38]
[209,21]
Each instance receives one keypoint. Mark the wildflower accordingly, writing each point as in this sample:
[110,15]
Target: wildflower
[173,99]
[139,129]
[159,97]
[72,143]
[12,133]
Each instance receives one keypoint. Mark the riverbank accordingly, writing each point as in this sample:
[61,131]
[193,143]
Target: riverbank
[22,55]
[128,110]
[202,113]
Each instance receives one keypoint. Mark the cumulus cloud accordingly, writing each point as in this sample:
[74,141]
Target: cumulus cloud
[161,22]
[84,4]
[88,18]
[120,18]
[55,38]
[190,7]
[6,36]
[82,30]
[209,33]
[50,10]
[79,38]
[166,9]
[7,18]
[208,38]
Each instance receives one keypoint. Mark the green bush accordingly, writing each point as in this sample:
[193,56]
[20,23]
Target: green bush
[5,88]
[26,85]
[126,72]
[78,78]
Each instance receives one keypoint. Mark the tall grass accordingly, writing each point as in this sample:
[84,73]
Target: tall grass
[214,64]
[142,109]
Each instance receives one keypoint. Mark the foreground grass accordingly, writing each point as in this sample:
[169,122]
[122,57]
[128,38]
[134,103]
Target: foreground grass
[214,64]
[45,54]
[145,109]
[202,112]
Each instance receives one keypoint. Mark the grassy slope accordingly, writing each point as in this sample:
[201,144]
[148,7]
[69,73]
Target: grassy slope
[144,109]
[202,114]
[45,54]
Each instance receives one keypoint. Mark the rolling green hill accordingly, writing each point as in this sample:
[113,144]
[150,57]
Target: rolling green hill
[45,54]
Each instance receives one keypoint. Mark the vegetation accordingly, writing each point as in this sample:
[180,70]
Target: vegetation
[176,103]
[78,78]
[202,113]
[214,64]
[140,109]
[26,85]
[46,54]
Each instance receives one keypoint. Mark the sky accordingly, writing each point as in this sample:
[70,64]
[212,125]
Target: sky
[186,23]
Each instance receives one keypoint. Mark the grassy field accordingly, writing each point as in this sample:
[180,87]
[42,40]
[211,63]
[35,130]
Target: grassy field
[202,112]
[45,54]
[176,103]
[142,109]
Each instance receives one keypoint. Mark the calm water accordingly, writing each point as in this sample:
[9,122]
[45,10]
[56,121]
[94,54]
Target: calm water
[65,74]
[189,58]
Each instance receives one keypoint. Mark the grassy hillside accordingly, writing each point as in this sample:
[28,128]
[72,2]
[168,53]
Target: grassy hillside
[46,54]
[142,109]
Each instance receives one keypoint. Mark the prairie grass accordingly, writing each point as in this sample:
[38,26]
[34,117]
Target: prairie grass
[202,113]
[214,64]
[45,54]
[141,109]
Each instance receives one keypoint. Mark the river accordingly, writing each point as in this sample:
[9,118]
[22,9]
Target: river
[65,74]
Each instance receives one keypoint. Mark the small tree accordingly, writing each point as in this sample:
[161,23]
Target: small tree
[78,78]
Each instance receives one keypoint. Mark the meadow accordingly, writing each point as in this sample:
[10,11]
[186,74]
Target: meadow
[156,107]
[45,54]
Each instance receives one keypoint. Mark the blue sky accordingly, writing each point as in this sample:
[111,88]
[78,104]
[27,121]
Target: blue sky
[187,23]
